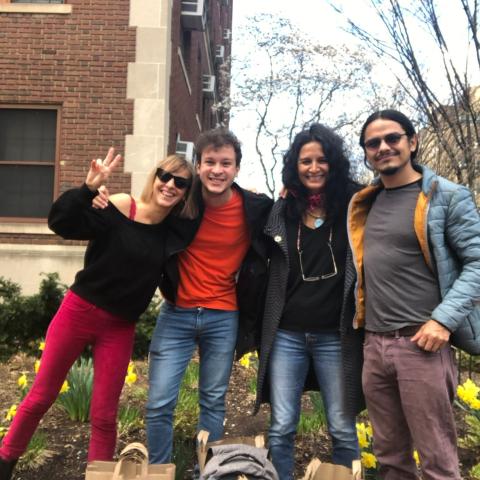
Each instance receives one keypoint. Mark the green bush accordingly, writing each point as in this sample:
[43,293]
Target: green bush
[145,327]
[25,318]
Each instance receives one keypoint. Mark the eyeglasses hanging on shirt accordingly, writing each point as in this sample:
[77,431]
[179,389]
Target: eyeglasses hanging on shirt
[300,253]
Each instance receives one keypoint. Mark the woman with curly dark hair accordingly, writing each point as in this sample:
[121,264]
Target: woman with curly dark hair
[308,339]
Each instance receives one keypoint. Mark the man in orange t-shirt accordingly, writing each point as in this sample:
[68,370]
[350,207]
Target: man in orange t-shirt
[213,283]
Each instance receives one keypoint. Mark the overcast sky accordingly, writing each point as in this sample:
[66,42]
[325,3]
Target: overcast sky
[321,22]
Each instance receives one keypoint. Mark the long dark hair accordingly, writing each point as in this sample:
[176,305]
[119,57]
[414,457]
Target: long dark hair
[394,116]
[339,182]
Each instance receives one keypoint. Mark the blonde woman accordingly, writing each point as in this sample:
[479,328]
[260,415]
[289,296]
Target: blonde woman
[121,272]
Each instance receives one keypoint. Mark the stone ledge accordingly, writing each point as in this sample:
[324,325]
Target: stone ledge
[26,228]
[59,9]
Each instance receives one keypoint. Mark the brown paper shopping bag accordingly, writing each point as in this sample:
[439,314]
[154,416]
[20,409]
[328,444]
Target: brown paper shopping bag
[132,465]
[203,445]
[317,470]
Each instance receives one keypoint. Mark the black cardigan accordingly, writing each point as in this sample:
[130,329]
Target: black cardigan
[351,339]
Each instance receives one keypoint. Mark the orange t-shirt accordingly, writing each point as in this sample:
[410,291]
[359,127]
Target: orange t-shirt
[210,263]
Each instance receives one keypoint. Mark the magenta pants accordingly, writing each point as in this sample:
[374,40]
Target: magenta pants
[77,324]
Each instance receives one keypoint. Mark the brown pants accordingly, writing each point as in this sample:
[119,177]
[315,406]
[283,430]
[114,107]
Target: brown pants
[409,394]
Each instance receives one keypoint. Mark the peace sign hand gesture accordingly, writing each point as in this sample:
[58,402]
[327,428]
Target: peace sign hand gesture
[100,170]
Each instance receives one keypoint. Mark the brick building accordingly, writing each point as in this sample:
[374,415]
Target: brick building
[77,76]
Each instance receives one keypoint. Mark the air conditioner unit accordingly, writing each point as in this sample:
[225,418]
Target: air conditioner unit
[185,150]
[192,14]
[219,53]
[208,84]
[227,34]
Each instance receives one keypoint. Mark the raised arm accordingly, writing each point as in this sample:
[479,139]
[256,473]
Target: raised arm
[71,216]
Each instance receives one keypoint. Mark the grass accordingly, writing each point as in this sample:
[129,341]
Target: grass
[187,410]
[76,401]
[185,422]
[183,456]
[130,418]
[314,421]
[37,453]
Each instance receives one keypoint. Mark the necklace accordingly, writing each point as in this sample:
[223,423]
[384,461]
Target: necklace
[318,219]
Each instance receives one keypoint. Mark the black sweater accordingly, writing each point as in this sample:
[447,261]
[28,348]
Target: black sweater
[123,260]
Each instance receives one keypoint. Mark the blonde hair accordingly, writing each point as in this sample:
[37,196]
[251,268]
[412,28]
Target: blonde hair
[186,208]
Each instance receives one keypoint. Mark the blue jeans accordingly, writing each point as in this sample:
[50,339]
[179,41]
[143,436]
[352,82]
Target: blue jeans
[178,331]
[289,363]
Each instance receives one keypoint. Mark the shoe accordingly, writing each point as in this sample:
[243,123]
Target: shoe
[6,468]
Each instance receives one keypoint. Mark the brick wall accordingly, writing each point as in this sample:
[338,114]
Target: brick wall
[184,106]
[78,61]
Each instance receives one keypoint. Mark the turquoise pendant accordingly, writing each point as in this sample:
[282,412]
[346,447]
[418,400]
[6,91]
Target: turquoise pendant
[318,222]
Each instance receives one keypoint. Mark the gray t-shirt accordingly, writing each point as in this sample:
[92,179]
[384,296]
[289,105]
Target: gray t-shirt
[400,288]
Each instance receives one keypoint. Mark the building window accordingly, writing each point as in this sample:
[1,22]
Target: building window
[186,45]
[28,154]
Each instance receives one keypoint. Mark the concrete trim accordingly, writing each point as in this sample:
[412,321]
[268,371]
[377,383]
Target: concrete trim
[43,250]
[32,228]
[58,9]
[148,85]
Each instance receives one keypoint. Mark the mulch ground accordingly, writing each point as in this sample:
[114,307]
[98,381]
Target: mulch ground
[68,441]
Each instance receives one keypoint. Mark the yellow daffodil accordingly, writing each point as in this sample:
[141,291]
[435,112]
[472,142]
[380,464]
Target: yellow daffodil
[363,440]
[37,366]
[245,361]
[361,427]
[369,430]
[12,411]
[416,457]
[41,347]
[131,377]
[3,431]
[468,392]
[369,460]
[65,387]
[22,381]
[362,435]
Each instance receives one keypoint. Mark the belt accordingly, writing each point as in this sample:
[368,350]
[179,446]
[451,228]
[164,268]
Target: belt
[408,331]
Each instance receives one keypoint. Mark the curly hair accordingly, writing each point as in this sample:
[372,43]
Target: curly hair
[339,180]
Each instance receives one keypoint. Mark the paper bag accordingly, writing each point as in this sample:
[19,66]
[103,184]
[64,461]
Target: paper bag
[132,465]
[317,470]
[203,445]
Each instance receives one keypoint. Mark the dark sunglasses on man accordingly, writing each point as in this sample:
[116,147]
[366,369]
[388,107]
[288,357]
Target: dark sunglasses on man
[165,177]
[390,139]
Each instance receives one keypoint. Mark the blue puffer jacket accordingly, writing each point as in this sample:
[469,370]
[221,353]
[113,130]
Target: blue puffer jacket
[447,225]
[454,239]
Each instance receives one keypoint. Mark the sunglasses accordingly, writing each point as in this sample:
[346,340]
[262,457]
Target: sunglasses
[390,139]
[165,177]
